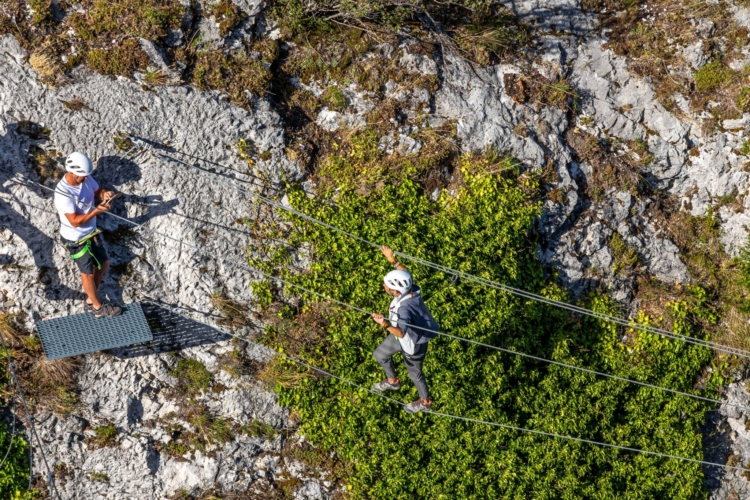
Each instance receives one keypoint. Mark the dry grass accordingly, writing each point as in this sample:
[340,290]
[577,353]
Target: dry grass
[48,385]
[156,78]
[75,104]
[299,333]
[536,88]
[45,164]
[282,373]
[233,314]
[610,169]
[44,64]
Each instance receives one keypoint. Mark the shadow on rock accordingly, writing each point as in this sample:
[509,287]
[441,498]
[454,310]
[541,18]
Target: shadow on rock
[121,237]
[172,332]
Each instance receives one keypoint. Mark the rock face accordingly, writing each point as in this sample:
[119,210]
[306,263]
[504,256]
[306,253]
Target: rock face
[135,391]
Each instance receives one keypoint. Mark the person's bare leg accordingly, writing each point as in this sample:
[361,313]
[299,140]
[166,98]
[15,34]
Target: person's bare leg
[99,274]
[89,286]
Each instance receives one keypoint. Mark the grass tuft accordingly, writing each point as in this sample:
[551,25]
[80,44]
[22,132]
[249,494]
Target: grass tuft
[712,76]
[106,435]
[43,64]
[335,99]
[193,377]
[233,314]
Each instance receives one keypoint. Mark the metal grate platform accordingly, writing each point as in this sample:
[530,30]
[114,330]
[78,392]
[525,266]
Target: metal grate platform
[82,333]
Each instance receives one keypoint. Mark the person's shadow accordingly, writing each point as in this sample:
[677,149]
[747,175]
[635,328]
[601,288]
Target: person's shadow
[18,220]
[118,174]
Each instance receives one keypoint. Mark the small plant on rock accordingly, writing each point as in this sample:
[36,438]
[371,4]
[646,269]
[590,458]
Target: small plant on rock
[193,377]
[335,99]
[105,435]
[99,477]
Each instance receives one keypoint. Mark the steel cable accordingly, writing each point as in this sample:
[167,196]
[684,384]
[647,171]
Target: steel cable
[245,266]
[457,417]
[470,277]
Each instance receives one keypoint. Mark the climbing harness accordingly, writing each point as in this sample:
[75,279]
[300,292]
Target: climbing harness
[76,252]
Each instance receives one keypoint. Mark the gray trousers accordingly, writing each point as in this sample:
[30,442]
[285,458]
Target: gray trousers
[391,346]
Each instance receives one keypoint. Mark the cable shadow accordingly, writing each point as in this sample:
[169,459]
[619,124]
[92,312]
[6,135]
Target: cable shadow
[256,181]
[172,332]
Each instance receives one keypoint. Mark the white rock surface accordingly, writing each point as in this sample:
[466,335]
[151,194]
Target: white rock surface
[134,390]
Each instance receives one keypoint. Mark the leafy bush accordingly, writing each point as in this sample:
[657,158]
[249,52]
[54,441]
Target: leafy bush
[712,76]
[483,229]
[14,474]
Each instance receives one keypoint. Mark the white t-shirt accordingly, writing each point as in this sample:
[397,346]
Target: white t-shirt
[407,343]
[75,200]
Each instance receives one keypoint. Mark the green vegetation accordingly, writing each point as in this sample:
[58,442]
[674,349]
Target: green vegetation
[106,435]
[712,76]
[256,428]
[193,377]
[625,257]
[478,29]
[14,474]
[227,14]
[99,477]
[496,205]
[212,430]
[743,99]
[235,73]
[335,99]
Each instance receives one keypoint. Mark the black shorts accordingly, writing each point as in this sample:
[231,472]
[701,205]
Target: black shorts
[91,260]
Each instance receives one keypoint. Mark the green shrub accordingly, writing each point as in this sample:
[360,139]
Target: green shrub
[712,76]
[106,435]
[14,474]
[256,428]
[235,73]
[124,59]
[484,230]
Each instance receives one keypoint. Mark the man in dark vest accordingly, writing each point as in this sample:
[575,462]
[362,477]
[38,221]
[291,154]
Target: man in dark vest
[406,312]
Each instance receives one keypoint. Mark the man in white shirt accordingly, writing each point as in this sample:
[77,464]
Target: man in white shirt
[410,326]
[75,198]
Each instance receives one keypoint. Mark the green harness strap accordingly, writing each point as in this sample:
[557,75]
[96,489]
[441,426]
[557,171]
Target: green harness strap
[82,252]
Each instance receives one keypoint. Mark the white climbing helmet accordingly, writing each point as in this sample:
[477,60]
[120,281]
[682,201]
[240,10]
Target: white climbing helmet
[399,280]
[79,164]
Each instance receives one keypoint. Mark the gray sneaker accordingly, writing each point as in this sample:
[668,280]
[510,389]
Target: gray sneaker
[106,311]
[417,406]
[386,386]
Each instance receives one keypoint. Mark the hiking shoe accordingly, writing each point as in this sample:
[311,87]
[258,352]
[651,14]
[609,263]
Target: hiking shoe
[106,311]
[386,386]
[88,307]
[417,406]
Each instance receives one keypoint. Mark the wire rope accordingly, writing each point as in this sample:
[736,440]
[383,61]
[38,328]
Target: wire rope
[245,266]
[470,277]
[466,419]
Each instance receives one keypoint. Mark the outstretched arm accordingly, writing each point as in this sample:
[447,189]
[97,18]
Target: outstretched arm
[388,253]
[379,319]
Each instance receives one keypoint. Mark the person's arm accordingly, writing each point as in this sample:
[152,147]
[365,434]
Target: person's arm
[380,319]
[388,253]
[77,220]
